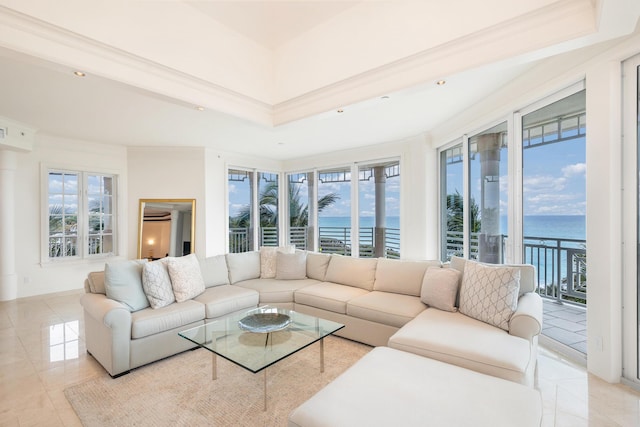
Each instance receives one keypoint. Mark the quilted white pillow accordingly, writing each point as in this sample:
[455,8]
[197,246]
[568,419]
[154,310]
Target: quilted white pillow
[157,284]
[186,277]
[268,255]
[489,294]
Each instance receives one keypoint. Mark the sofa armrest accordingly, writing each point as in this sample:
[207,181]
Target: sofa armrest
[526,321]
[107,332]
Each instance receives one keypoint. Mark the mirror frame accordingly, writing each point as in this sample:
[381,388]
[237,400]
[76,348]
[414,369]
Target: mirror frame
[143,203]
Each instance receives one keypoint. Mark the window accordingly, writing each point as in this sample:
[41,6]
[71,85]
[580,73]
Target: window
[452,202]
[80,213]
[379,207]
[253,210]
[302,228]
[334,210]
[487,197]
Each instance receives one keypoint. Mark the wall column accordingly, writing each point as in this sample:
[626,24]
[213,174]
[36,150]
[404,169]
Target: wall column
[8,276]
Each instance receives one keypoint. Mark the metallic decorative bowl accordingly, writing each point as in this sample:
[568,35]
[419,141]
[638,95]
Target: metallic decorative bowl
[263,323]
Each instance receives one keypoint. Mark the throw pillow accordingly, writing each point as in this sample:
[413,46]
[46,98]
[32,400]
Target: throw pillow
[123,283]
[440,288]
[186,277]
[291,266]
[156,284]
[268,256]
[489,294]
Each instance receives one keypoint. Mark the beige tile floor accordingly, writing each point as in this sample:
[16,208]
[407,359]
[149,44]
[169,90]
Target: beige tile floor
[42,351]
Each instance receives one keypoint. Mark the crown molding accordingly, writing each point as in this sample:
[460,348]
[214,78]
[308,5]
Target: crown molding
[558,22]
[44,41]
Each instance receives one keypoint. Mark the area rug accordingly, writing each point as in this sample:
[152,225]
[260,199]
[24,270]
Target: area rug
[179,391]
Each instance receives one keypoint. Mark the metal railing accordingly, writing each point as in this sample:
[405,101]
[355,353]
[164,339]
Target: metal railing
[561,264]
[333,240]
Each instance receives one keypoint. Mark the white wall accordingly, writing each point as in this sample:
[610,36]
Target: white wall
[166,173]
[34,277]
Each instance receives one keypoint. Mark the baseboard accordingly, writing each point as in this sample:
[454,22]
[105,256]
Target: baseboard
[564,350]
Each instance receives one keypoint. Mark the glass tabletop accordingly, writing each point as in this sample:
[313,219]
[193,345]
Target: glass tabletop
[231,337]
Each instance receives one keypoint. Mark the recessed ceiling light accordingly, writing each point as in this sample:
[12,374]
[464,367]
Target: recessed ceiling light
[340,110]
[384,97]
[79,73]
[441,82]
[200,108]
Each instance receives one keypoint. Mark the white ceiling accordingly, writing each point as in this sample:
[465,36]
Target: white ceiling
[271,23]
[132,100]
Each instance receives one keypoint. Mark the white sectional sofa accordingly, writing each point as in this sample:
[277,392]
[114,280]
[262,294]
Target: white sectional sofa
[380,301]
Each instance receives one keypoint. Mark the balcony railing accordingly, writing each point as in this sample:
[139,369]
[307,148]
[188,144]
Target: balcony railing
[561,264]
[333,240]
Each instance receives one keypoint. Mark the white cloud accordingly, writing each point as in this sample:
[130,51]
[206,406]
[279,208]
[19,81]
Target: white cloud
[575,169]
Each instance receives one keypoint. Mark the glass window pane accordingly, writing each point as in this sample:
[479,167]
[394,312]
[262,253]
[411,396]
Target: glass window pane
[300,187]
[451,202]
[240,215]
[55,183]
[334,211]
[379,201]
[268,208]
[554,200]
[70,183]
[488,194]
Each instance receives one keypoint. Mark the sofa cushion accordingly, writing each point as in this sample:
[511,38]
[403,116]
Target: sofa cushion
[186,277]
[156,284]
[225,299]
[96,282]
[123,283]
[440,288]
[385,307]
[317,265]
[401,277]
[276,291]
[328,296]
[150,322]
[461,340]
[268,256]
[243,266]
[214,271]
[388,387]
[490,293]
[357,272]
[291,266]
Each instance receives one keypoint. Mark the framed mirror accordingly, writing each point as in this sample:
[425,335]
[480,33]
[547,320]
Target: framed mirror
[166,227]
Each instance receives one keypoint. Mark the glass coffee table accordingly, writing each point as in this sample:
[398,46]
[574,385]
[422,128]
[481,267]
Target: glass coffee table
[261,337]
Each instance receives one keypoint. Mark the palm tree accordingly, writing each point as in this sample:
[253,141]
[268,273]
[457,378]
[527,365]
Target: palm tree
[268,202]
[455,213]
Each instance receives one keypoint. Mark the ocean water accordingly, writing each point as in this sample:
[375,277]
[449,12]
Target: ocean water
[548,226]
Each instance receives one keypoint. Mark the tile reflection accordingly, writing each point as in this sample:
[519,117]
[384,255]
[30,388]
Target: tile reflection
[63,341]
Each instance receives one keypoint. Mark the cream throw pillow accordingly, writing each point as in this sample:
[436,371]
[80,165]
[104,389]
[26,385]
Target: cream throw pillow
[157,284]
[440,288]
[291,266]
[490,294]
[186,277]
[268,256]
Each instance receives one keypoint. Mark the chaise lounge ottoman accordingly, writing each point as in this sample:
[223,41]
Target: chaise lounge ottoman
[390,387]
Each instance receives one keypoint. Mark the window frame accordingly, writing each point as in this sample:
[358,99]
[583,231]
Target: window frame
[82,252]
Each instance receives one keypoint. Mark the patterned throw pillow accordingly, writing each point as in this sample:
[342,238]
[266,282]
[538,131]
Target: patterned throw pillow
[186,277]
[157,284]
[489,294]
